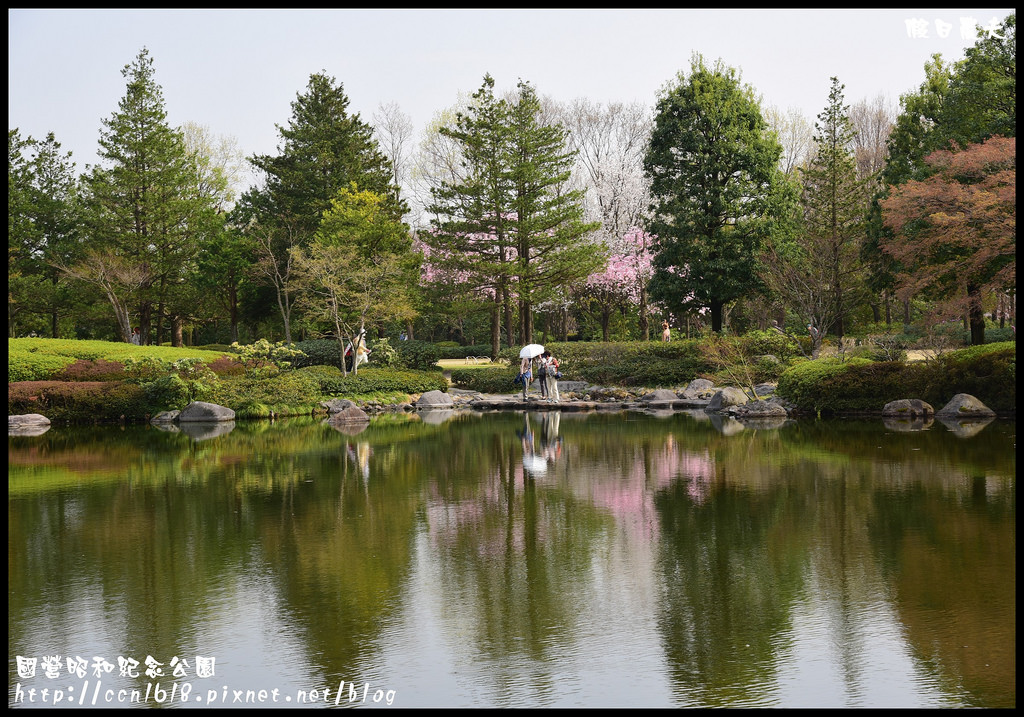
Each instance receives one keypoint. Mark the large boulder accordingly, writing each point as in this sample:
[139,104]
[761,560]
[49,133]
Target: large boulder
[699,389]
[725,397]
[907,408]
[963,405]
[27,424]
[203,411]
[165,417]
[337,405]
[660,395]
[352,414]
[434,399]
[760,409]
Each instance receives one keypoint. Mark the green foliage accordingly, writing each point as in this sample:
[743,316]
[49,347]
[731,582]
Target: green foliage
[383,380]
[171,385]
[630,363]
[318,352]
[254,395]
[79,401]
[30,366]
[384,354]
[759,343]
[106,350]
[713,165]
[451,350]
[418,355]
[265,358]
[987,372]
[491,379]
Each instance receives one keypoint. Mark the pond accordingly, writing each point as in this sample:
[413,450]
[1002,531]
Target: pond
[511,559]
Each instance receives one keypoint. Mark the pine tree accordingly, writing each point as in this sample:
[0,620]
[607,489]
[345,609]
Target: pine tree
[145,212]
[835,204]
[324,149]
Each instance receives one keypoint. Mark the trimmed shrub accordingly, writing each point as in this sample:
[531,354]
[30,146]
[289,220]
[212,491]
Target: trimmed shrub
[318,352]
[107,350]
[383,380]
[628,363]
[79,401]
[286,392]
[29,366]
[419,355]
[98,370]
[461,352]
[497,379]
[226,366]
[987,372]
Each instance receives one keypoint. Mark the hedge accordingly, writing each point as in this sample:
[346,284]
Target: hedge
[632,363]
[79,401]
[496,379]
[382,380]
[27,366]
[829,386]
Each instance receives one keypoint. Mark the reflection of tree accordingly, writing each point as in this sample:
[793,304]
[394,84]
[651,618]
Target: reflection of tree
[952,573]
[732,568]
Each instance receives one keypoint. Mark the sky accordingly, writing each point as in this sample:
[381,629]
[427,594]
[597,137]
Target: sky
[236,72]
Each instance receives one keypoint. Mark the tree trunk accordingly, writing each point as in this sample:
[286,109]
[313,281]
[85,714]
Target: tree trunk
[976,315]
[888,307]
[716,315]
[176,326]
[906,311]
[496,327]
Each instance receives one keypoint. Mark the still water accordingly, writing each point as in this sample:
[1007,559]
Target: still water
[514,560]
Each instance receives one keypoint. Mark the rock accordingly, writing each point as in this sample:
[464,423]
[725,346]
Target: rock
[434,399]
[765,389]
[699,389]
[165,417]
[27,424]
[725,397]
[202,411]
[907,408]
[352,414]
[964,404]
[759,409]
[27,419]
[572,386]
[336,405]
[660,395]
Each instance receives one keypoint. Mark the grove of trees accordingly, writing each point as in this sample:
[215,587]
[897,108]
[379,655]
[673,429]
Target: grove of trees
[514,218]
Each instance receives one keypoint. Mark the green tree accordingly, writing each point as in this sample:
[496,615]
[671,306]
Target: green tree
[359,267]
[44,222]
[470,240]
[554,249]
[713,166]
[144,208]
[835,203]
[323,149]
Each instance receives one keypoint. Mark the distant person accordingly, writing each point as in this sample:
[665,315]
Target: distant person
[403,337]
[542,375]
[666,333]
[137,336]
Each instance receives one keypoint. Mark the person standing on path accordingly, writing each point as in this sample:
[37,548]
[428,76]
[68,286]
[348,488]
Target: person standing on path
[551,364]
[542,375]
[526,371]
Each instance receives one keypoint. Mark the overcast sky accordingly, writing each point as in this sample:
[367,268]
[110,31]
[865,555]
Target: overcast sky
[237,71]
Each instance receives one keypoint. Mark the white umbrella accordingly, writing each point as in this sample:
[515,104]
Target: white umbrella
[531,351]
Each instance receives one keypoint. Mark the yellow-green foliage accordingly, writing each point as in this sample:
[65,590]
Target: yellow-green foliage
[107,350]
[26,366]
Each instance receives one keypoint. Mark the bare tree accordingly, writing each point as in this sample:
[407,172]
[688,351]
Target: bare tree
[872,120]
[394,132]
[796,135]
[118,277]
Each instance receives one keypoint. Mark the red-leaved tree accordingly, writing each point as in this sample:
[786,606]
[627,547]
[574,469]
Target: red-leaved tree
[954,232]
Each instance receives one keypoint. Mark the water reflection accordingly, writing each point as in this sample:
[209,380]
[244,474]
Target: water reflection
[534,560]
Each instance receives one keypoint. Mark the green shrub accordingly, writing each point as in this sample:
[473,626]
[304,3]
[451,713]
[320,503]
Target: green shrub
[492,379]
[318,352]
[383,380]
[286,393]
[263,358]
[79,401]
[760,343]
[460,352]
[30,366]
[987,372]
[384,354]
[419,355]
[628,363]
[107,350]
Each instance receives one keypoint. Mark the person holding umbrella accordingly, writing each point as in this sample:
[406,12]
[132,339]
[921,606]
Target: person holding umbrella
[527,354]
